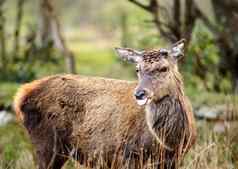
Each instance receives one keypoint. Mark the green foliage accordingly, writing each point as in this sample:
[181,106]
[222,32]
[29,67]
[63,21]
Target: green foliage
[27,65]
[201,63]
[7,91]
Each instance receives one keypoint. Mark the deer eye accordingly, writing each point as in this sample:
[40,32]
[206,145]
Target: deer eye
[163,69]
[137,70]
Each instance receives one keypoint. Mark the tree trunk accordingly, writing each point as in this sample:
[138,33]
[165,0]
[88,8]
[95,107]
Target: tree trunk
[50,31]
[16,40]
[44,24]
[2,37]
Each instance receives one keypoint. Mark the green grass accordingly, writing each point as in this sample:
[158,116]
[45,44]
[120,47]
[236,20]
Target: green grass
[103,63]
[98,58]
[213,150]
[14,146]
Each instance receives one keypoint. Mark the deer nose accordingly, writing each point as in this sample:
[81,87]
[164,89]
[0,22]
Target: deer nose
[140,95]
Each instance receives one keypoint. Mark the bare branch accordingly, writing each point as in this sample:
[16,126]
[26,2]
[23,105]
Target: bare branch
[145,7]
[172,28]
[165,30]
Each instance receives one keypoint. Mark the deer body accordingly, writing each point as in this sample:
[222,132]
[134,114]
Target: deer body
[99,123]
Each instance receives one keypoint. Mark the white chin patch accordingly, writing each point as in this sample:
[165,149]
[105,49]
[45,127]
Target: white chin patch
[141,102]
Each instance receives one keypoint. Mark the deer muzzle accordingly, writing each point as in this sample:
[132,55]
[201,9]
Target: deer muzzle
[142,96]
[142,92]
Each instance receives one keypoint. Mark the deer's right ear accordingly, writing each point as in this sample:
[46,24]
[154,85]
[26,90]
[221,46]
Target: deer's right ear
[130,55]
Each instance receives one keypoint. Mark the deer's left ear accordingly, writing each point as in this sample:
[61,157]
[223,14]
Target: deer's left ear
[177,50]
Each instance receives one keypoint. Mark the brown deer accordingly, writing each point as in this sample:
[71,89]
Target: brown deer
[98,122]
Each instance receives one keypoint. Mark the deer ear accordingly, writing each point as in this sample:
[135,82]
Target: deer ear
[177,50]
[130,55]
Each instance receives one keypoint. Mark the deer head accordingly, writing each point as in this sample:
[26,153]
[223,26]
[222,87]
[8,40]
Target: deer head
[157,71]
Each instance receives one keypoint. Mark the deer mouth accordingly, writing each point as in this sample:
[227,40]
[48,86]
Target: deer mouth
[142,97]
[142,102]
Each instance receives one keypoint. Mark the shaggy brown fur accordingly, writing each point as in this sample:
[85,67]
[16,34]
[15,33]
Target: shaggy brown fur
[98,122]
[89,117]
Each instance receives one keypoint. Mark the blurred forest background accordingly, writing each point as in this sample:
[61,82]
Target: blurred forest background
[46,37]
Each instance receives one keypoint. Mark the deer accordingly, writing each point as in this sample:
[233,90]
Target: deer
[109,123]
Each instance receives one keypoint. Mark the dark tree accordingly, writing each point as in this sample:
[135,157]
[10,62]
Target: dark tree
[173,24]
[226,17]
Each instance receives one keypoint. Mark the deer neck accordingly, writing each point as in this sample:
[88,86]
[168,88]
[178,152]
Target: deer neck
[166,120]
